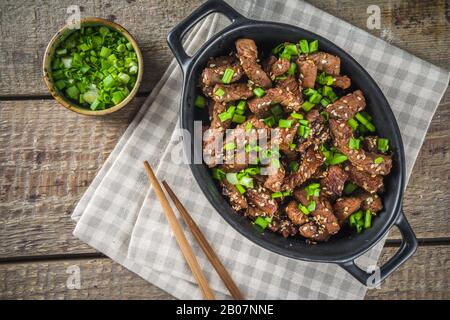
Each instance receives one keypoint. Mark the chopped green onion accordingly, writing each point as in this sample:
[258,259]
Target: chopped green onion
[218,174]
[294,166]
[228,75]
[296,115]
[367,219]
[291,49]
[352,221]
[353,123]
[270,121]
[240,188]
[292,69]
[307,106]
[278,49]
[312,206]
[315,98]
[105,52]
[304,122]
[313,46]
[60,84]
[354,143]
[241,107]
[349,188]
[73,92]
[200,102]
[359,226]
[358,215]
[325,79]
[224,116]
[117,97]
[248,127]
[237,118]
[279,78]
[304,47]
[276,163]
[325,102]
[230,146]
[366,115]
[246,181]
[309,92]
[277,195]
[325,115]
[365,122]
[312,190]
[379,160]
[252,171]
[276,110]
[292,146]
[263,222]
[232,178]
[383,144]
[219,92]
[338,158]
[303,209]
[259,92]
[283,123]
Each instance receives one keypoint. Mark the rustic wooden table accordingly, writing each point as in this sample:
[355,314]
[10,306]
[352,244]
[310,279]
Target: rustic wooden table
[49,155]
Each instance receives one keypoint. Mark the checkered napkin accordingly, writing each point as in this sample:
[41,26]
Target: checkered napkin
[120,216]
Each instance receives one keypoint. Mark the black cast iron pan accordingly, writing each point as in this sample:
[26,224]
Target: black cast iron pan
[345,247]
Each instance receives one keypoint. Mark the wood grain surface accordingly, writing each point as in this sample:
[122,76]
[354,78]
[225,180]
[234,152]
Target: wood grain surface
[49,155]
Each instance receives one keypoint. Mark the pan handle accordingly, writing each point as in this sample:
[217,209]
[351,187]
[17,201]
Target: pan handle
[407,249]
[176,35]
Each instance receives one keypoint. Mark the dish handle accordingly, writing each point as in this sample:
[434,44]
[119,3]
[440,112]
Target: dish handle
[176,35]
[407,249]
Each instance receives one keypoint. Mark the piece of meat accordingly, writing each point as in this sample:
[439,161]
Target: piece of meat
[232,92]
[323,213]
[342,82]
[370,143]
[280,67]
[285,227]
[333,182]
[252,213]
[268,63]
[212,146]
[326,62]
[275,180]
[261,106]
[345,206]
[296,216]
[314,232]
[290,84]
[216,108]
[237,200]
[247,52]
[347,106]
[319,133]
[371,202]
[261,198]
[370,183]
[311,161]
[307,73]
[362,160]
[213,74]
[283,137]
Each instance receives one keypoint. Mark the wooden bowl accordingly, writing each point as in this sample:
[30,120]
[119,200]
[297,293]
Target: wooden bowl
[63,34]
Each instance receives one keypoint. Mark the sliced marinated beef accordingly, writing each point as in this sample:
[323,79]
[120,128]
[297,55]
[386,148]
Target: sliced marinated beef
[342,82]
[347,106]
[261,198]
[283,137]
[326,62]
[345,206]
[323,212]
[371,202]
[247,53]
[318,134]
[296,216]
[232,92]
[280,67]
[260,106]
[314,232]
[334,181]
[370,183]
[290,84]
[370,143]
[307,73]
[284,227]
[372,163]
[237,200]
[212,146]
[268,63]
[216,108]
[216,68]
[311,161]
[275,180]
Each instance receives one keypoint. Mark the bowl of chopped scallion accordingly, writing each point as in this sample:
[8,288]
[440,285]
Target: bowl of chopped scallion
[95,69]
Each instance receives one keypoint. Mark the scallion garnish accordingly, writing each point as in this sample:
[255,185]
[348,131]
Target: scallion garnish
[276,110]
[240,108]
[238,118]
[227,75]
[325,102]
[338,158]
[349,188]
[219,92]
[270,121]
[354,143]
[303,209]
[353,123]
[294,166]
[313,46]
[312,190]
[365,122]
[200,102]
[312,206]
[383,144]
[378,160]
[248,127]
[218,174]
[240,188]
[309,92]
[263,223]
[230,146]
[367,219]
[307,106]
[276,195]
[296,115]
[284,123]
[259,92]
[315,98]
[292,69]
[304,46]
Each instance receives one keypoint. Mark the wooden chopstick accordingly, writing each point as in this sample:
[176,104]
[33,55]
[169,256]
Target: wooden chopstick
[185,247]
[204,244]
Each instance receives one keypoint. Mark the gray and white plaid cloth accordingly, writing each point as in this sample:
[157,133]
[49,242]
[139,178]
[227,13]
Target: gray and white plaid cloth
[120,216]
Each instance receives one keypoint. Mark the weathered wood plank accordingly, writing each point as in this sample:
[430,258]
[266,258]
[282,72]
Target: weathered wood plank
[44,170]
[419,27]
[424,276]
